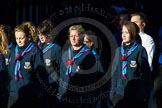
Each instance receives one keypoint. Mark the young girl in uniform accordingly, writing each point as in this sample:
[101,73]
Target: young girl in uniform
[131,83]
[3,69]
[52,58]
[27,71]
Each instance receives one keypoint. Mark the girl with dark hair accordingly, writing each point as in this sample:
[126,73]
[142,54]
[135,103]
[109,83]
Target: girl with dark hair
[52,57]
[131,80]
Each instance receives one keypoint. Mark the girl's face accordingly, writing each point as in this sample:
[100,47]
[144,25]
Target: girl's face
[87,42]
[42,38]
[21,39]
[74,38]
[126,36]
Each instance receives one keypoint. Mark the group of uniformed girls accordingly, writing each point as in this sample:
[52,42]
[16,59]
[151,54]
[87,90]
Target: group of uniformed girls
[34,72]
[25,65]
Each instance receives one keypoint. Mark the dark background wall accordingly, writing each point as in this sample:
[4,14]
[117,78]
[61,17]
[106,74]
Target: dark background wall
[13,12]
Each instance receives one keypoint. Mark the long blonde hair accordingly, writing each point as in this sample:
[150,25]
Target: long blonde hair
[3,42]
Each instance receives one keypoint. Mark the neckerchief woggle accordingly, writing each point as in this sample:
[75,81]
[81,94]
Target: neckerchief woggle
[125,56]
[18,57]
[48,47]
[71,60]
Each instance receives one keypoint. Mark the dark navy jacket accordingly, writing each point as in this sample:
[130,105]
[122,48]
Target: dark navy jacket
[7,56]
[3,81]
[137,84]
[33,77]
[81,82]
[3,71]
[52,59]
[2,62]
